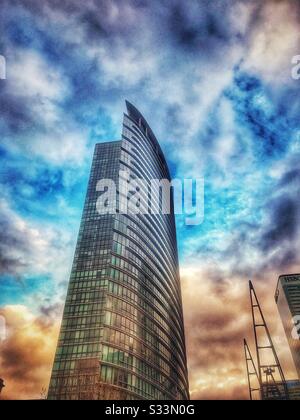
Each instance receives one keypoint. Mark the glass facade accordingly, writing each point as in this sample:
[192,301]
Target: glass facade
[288,302]
[122,333]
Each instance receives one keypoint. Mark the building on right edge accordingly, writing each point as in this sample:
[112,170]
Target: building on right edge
[287,298]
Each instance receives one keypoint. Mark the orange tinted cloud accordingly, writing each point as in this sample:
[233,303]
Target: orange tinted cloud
[27,353]
[217,318]
[274,40]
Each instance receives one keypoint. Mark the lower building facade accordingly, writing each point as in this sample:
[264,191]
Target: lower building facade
[271,392]
[287,298]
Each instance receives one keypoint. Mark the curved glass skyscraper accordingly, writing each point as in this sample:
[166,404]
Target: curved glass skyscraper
[122,334]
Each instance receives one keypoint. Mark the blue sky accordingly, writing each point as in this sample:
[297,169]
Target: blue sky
[213,79]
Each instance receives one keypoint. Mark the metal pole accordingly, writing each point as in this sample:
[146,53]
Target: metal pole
[255,304]
[249,360]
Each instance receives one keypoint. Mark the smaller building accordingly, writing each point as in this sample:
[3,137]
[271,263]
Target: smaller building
[275,391]
[294,389]
[287,298]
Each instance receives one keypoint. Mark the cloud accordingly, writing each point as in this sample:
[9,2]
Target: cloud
[213,79]
[33,119]
[15,238]
[284,223]
[274,41]
[27,249]
[217,320]
[27,354]
[292,176]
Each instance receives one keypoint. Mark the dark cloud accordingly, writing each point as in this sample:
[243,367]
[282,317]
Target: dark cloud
[283,259]
[51,311]
[199,27]
[16,114]
[27,249]
[291,177]
[284,223]
[13,246]
[269,128]
[276,238]
[95,29]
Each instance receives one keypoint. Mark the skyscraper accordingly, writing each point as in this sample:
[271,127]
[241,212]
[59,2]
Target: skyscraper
[288,302]
[122,333]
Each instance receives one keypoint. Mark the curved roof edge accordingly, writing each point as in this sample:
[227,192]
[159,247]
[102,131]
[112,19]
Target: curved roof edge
[135,114]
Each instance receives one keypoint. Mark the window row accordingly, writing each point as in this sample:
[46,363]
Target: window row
[72,310]
[87,349]
[81,335]
[90,321]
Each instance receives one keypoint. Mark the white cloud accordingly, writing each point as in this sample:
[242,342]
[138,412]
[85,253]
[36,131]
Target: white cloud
[274,41]
[32,248]
[41,88]
[63,144]
[30,75]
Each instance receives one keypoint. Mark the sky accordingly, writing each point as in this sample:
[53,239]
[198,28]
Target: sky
[213,79]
